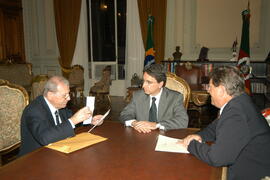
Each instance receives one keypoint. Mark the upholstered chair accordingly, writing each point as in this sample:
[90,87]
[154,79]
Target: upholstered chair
[178,84]
[13,99]
[76,80]
[20,74]
[101,89]
[266,114]
[38,84]
[2,81]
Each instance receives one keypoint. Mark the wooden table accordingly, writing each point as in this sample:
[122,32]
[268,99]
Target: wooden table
[126,154]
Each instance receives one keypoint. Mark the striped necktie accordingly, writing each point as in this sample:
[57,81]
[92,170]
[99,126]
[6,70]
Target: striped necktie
[57,117]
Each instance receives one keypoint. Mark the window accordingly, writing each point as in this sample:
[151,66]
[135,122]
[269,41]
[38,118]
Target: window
[108,36]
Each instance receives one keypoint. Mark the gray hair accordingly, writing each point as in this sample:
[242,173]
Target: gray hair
[53,83]
[157,71]
[230,77]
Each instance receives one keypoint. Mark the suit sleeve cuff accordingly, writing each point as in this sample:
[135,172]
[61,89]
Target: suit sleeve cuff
[73,126]
[129,122]
[159,126]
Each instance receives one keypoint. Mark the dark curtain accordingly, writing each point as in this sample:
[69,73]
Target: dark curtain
[156,8]
[67,17]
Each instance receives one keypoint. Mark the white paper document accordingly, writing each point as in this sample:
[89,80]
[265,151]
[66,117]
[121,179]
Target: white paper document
[168,144]
[101,119]
[90,102]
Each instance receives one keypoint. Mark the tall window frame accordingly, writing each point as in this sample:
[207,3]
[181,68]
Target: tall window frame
[99,13]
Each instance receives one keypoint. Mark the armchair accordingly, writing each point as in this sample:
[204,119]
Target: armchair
[20,74]
[76,80]
[38,84]
[178,84]
[13,99]
[101,89]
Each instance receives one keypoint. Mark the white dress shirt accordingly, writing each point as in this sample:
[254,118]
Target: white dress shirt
[129,122]
[53,109]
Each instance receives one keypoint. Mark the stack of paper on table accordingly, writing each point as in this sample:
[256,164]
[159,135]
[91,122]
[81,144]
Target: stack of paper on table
[75,143]
[168,144]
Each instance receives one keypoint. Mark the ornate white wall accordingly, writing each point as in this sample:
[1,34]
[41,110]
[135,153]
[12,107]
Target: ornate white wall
[40,37]
[192,24]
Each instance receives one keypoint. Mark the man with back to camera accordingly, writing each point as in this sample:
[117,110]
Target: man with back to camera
[46,119]
[168,113]
[240,136]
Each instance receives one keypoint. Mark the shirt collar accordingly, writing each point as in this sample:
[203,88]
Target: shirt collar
[158,95]
[51,107]
[221,109]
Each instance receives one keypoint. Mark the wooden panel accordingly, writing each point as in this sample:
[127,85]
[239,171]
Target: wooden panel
[11,35]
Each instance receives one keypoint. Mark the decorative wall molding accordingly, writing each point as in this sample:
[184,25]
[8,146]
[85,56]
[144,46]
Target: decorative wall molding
[42,51]
[191,47]
[40,36]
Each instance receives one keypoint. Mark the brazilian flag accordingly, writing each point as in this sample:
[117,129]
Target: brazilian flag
[149,52]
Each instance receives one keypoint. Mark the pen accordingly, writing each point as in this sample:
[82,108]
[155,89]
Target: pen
[95,125]
[103,117]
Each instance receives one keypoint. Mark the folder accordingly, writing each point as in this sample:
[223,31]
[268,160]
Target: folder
[75,143]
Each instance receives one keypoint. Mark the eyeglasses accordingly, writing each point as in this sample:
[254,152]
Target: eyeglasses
[65,96]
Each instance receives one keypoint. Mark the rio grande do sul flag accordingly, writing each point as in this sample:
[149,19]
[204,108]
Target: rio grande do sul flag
[244,52]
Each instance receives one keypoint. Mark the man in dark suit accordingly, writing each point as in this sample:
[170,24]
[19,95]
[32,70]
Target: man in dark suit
[46,119]
[240,136]
[169,112]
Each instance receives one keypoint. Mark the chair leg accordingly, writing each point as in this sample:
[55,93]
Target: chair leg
[199,118]
[81,94]
[110,102]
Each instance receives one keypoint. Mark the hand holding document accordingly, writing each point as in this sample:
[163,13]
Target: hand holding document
[90,102]
[168,144]
[101,119]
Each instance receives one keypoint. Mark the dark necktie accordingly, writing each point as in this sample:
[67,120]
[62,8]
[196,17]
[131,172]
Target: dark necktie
[153,111]
[57,117]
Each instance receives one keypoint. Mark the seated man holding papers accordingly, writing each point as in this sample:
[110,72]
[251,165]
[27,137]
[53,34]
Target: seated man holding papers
[46,119]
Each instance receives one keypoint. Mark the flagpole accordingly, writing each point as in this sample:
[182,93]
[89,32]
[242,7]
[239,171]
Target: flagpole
[244,51]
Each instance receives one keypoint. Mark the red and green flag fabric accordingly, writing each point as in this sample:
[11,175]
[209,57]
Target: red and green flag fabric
[149,50]
[244,47]
[244,52]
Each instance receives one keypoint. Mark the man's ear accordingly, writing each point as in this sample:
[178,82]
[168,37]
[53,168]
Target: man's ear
[49,95]
[223,90]
[160,85]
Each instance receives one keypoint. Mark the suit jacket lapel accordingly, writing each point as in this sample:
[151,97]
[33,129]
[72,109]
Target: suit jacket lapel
[48,111]
[162,105]
[145,105]
[63,114]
